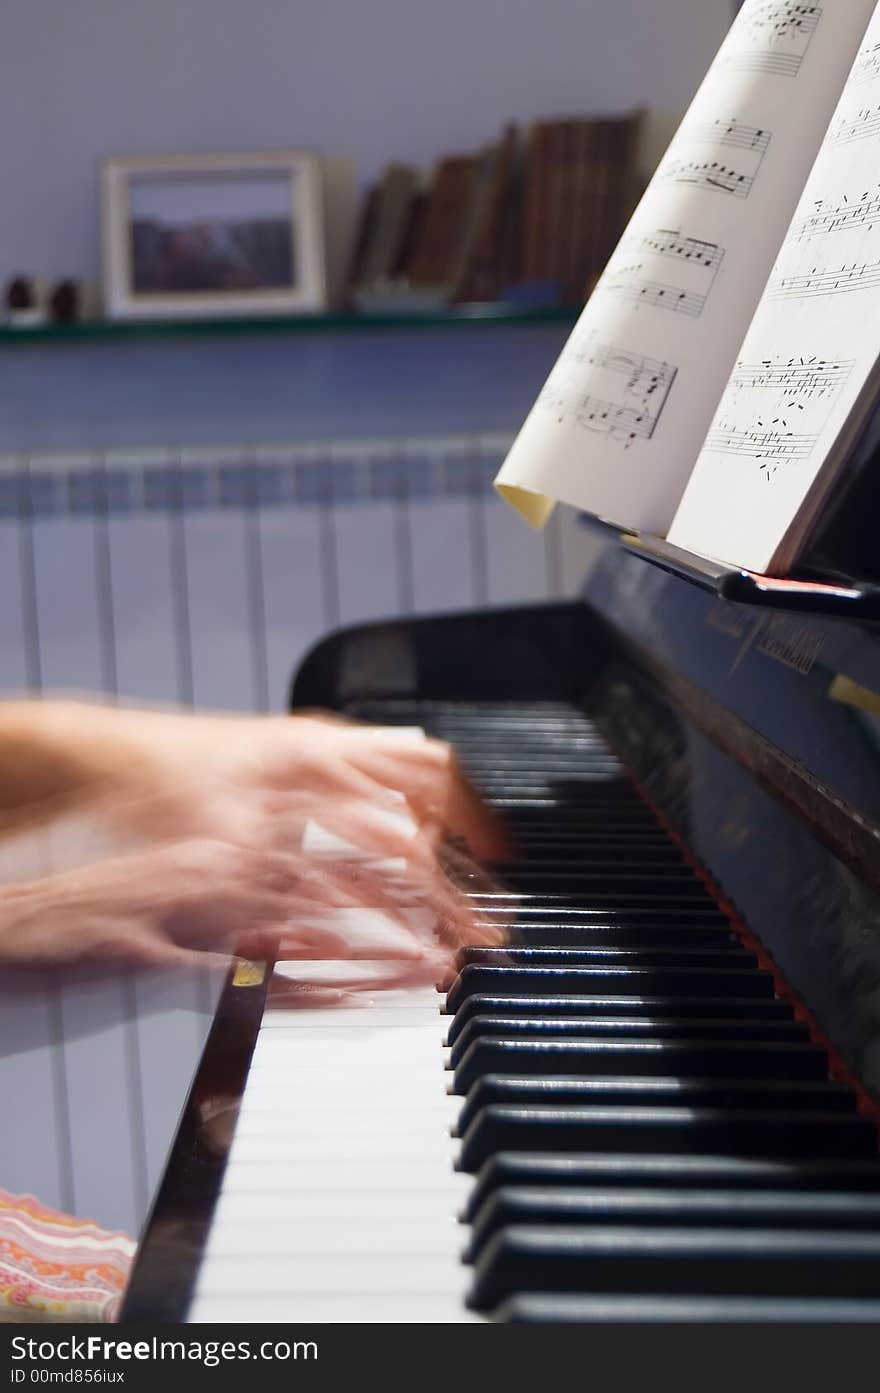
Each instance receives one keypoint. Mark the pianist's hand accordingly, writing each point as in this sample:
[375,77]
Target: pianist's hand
[59,750]
[166,904]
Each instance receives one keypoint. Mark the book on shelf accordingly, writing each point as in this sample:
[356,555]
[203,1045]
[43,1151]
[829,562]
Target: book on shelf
[579,190]
[489,261]
[728,359]
[456,202]
[384,222]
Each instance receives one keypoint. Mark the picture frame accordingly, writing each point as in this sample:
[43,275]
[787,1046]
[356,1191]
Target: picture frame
[186,236]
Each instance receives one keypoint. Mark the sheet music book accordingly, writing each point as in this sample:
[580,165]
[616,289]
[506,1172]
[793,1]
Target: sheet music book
[728,357]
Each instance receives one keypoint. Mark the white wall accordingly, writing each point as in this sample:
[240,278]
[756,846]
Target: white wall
[374,79]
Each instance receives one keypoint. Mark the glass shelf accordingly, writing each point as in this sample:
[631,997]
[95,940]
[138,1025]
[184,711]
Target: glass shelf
[455,317]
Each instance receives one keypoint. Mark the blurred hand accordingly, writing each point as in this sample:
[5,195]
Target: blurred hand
[204,844]
[167,904]
[317,757]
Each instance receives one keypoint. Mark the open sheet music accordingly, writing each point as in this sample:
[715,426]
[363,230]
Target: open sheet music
[732,327]
[806,370]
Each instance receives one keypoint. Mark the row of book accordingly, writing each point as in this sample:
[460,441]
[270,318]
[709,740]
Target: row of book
[532,218]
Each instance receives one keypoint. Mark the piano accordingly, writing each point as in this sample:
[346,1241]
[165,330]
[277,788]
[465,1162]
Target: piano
[660,1101]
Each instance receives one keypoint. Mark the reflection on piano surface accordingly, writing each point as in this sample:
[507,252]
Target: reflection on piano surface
[658,1101]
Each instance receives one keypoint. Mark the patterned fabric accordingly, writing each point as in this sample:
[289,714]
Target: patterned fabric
[54,1267]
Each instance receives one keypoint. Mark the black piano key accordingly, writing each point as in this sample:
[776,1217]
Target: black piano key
[544,769]
[784,1058]
[632,916]
[563,1308]
[654,1007]
[593,1031]
[476,980]
[619,881]
[754,1262]
[578,1207]
[654,1091]
[539,934]
[688,897]
[627,1171]
[539,845]
[502,1127]
[547,848]
[605,955]
[519,809]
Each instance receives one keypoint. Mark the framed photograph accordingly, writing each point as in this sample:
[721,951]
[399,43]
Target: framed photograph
[212,235]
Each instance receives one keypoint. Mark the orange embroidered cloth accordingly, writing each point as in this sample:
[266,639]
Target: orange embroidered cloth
[54,1267]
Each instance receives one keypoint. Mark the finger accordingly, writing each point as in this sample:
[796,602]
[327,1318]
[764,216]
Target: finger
[430,778]
[299,995]
[317,775]
[145,946]
[423,974]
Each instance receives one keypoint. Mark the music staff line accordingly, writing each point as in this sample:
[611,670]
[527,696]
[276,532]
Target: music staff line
[780,36]
[817,283]
[630,286]
[695,260]
[714,175]
[864,212]
[709,175]
[673,243]
[866,66]
[735,133]
[630,409]
[762,443]
[778,20]
[635,366]
[864,126]
[806,377]
[611,417]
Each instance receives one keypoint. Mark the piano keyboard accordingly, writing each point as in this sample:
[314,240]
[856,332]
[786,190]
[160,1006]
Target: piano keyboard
[630,1122]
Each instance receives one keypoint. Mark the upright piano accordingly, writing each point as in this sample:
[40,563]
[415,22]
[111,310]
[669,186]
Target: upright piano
[659,1102]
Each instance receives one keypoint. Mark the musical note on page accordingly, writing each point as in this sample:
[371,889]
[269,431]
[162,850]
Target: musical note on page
[815,282]
[736,176]
[828,217]
[665,270]
[628,391]
[682,248]
[771,445]
[866,66]
[735,133]
[775,409]
[865,125]
[773,38]
[708,174]
[796,378]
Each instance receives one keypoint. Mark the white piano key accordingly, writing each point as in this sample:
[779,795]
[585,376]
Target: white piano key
[348,1307]
[255,1207]
[381,1176]
[357,1236]
[312,1094]
[299,1121]
[341,1177]
[362,1014]
[319,1049]
[404,998]
[323,1146]
[320,1273]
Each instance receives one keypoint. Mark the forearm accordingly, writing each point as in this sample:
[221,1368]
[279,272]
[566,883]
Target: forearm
[52,750]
